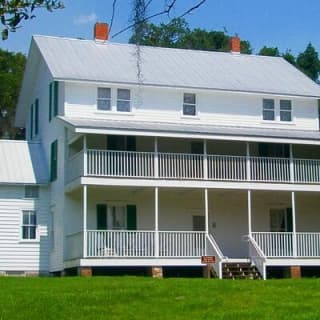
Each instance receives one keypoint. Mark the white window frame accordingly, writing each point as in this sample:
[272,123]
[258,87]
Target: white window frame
[30,225]
[187,104]
[31,191]
[123,100]
[267,109]
[104,99]
[283,110]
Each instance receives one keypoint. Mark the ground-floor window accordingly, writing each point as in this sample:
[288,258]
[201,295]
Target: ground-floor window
[29,224]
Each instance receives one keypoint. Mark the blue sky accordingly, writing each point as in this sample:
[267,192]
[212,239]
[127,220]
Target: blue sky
[287,24]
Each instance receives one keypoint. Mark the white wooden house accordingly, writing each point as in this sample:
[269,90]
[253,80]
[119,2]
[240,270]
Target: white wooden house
[159,156]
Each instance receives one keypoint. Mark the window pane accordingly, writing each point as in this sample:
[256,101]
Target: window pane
[33,219]
[104,93]
[31,192]
[104,104]
[25,232]
[268,104]
[25,218]
[123,105]
[124,94]
[189,98]
[189,110]
[32,232]
[285,116]
[268,115]
[285,104]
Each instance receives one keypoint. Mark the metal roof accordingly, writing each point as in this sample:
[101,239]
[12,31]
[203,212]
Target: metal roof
[22,162]
[193,130]
[88,60]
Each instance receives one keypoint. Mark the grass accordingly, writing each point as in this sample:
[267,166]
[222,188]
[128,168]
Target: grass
[147,298]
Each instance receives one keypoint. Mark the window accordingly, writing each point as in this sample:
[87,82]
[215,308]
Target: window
[31,192]
[54,161]
[31,122]
[123,100]
[53,99]
[268,109]
[285,110]
[104,99]
[281,220]
[189,104]
[29,224]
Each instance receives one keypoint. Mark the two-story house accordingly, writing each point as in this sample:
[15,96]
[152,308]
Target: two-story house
[158,158]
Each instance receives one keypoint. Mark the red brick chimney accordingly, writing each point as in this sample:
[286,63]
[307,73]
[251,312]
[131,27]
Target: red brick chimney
[101,31]
[235,44]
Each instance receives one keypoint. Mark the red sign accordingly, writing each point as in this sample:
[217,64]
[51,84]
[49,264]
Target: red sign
[208,259]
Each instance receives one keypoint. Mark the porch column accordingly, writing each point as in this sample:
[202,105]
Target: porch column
[249,213]
[156,158]
[205,160]
[291,163]
[206,209]
[294,228]
[85,194]
[248,161]
[156,222]
[85,156]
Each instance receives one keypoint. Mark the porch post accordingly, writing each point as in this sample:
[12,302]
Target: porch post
[205,160]
[156,222]
[291,163]
[85,156]
[248,161]
[85,194]
[294,228]
[206,209]
[156,158]
[249,213]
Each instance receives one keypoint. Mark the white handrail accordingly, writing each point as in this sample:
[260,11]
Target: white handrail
[257,257]
[214,249]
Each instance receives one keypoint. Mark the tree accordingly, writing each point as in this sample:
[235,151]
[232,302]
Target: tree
[11,72]
[13,12]
[308,62]
[269,51]
[176,34]
[289,57]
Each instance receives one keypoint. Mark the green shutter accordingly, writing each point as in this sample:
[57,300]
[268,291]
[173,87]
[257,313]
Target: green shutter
[36,117]
[54,161]
[55,97]
[102,217]
[50,101]
[31,122]
[131,217]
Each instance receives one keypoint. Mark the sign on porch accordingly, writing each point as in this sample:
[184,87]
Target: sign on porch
[208,259]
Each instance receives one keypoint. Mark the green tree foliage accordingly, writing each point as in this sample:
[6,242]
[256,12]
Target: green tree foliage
[269,51]
[289,57]
[13,12]
[308,62]
[176,34]
[11,72]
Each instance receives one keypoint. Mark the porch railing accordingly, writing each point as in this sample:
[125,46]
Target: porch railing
[288,244]
[193,166]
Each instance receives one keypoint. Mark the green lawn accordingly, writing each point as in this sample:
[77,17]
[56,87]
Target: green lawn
[147,298]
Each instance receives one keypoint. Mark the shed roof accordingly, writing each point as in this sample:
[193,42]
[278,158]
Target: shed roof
[88,60]
[22,162]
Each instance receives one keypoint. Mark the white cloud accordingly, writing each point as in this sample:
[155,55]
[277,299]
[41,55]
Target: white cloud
[84,19]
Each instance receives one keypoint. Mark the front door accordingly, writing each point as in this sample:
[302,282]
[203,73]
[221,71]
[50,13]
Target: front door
[281,220]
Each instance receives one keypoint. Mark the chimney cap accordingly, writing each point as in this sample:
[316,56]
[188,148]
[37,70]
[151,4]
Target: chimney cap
[101,31]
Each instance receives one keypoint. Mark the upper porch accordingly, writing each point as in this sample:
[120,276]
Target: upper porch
[134,157]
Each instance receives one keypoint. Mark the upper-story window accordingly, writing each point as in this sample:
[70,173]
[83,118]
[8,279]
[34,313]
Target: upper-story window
[285,110]
[104,99]
[123,100]
[53,99]
[268,109]
[31,191]
[189,104]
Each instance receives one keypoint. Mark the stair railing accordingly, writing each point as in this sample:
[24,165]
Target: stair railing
[257,256]
[213,249]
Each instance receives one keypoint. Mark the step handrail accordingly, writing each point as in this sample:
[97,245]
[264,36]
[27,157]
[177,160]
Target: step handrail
[217,266]
[257,256]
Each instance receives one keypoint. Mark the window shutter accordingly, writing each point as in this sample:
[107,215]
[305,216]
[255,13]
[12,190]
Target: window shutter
[54,161]
[102,217]
[36,117]
[131,217]
[31,122]
[55,97]
[50,101]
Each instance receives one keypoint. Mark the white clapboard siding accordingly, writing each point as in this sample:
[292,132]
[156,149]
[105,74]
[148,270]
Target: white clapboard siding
[15,254]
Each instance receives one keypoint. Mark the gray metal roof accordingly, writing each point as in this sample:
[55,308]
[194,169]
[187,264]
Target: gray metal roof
[22,162]
[87,60]
[190,129]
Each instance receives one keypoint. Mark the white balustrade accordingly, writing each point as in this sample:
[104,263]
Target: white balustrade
[180,166]
[191,166]
[308,244]
[181,243]
[257,256]
[120,163]
[227,168]
[270,169]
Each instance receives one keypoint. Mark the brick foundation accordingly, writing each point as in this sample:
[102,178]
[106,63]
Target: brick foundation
[295,272]
[156,272]
[85,272]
